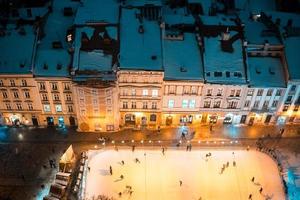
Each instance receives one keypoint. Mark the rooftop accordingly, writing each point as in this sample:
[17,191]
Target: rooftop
[140,42]
[17,49]
[182,59]
[51,60]
[255,5]
[95,11]
[266,72]
[177,16]
[223,67]
[140,3]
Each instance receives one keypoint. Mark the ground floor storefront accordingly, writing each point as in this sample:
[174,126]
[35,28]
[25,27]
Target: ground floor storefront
[98,124]
[20,119]
[139,120]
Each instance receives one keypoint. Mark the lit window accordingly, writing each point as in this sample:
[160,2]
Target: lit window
[250,92]
[145,92]
[47,108]
[154,93]
[58,108]
[185,103]
[192,103]
[171,103]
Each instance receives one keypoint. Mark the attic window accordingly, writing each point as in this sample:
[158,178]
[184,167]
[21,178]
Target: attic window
[56,45]
[153,57]
[59,66]
[218,74]
[227,74]
[271,71]
[183,69]
[257,70]
[45,66]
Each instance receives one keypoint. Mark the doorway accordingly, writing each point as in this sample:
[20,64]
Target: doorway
[35,121]
[268,119]
[72,121]
[243,119]
[50,121]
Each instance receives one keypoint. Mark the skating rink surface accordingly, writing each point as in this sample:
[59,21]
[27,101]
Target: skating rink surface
[158,176]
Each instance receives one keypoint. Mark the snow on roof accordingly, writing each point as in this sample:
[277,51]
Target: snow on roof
[182,59]
[218,20]
[255,5]
[50,61]
[223,67]
[266,72]
[139,50]
[17,48]
[177,16]
[254,31]
[96,11]
[291,43]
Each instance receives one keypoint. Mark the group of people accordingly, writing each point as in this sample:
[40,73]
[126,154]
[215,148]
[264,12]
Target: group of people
[260,189]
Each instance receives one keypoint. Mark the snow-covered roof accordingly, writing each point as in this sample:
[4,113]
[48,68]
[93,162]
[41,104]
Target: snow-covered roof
[223,67]
[177,16]
[266,72]
[256,32]
[55,61]
[97,11]
[255,5]
[182,59]
[139,50]
[17,49]
[220,20]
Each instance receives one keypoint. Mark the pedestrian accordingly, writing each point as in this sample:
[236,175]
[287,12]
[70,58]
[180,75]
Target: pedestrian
[163,151]
[260,190]
[110,170]
[89,168]
[120,194]
[130,192]
[122,162]
[121,177]
[248,147]
[252,179]
[50,163]
[227,164]
[250,196]
[180,183]
[137,160]
[234,164]
[133,148]
[187,147]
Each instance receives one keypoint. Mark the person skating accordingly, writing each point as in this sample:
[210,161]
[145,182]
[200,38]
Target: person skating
[260,190]
[250,196]
[133,148]
[122,162]
[137,160]
[110,170]
[253,179]
[163,151]
[121,177]
[180,183]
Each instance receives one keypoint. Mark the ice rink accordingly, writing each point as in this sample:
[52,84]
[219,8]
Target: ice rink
[158,176]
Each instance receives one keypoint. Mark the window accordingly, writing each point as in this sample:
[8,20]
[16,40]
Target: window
[12,83]
[289,98]
[55,97]
[1,82]
[44,97]
[285,108]
[82,111]
[270,92]
[256,104]
[275,103]
[266,104]
[293,88]
[42,86]
[19,106]
[217,104]
[250,92]
[209,92]
[194,90]
[154,105]
[186,89]
[95,102]
[108,101]
[152,118]
[133,92]
[232,93]
[145,92]
[171,103]
[185,103]
[192,103]
[58,108]
[278,92]
[66,86]
[94,92]
[232,104]
[24,83]
[154,93]
[220,91]
[54,86]
[4,94]
[172,89]
[145,105]
[26,94]
[8,106]
[16,94]
[247,104]
[296,108]
[68,97]
[238,93]
[260,92]
[70,108]
[125,104]
[133,105]
[30,107]
[124,91]
[206,104]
